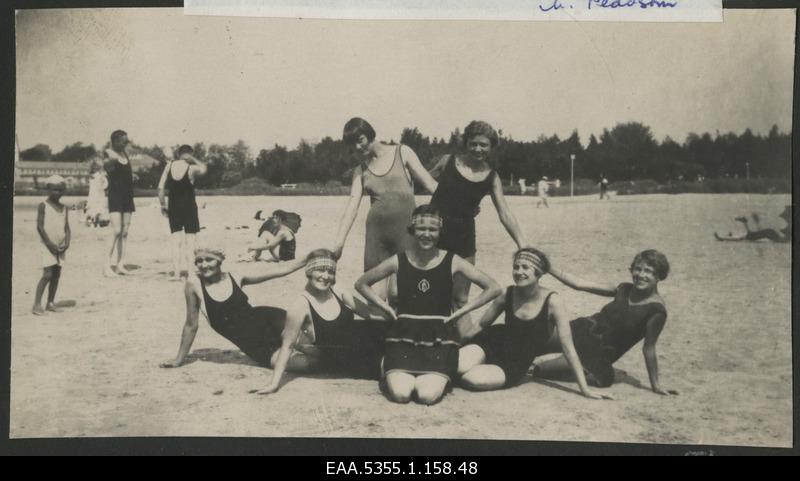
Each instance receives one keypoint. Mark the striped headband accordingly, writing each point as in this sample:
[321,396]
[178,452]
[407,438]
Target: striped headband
[210,252]
[320,264]
[419,218]
[538,262]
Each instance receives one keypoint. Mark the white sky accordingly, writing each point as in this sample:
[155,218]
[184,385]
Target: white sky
[167,79]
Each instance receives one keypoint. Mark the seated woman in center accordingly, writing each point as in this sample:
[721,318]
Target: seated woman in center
[421,350]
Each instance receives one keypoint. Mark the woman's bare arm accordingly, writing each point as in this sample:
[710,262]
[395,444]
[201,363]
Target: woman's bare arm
[507,218]
[190,325]
[368,279]
[491,289]
[418,172]
[350,212]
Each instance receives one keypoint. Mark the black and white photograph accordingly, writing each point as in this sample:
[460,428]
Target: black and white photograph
[250,227]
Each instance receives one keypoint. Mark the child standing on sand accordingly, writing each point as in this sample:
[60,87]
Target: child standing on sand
[97,203]
[53,228]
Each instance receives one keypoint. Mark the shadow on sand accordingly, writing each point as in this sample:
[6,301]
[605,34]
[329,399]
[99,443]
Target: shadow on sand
[220,356]
[620,377]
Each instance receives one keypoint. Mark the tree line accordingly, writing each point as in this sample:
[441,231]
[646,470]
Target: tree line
[628,151]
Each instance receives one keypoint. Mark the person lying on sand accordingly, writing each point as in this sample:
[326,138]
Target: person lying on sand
[637,312]
[782,236]
[535,324]
[219,296]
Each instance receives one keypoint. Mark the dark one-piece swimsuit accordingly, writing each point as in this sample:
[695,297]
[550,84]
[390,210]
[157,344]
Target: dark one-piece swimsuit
[419,341]
[347,345]
[182,205]
[256,331]
[457,199]
[600,340]
[514,345]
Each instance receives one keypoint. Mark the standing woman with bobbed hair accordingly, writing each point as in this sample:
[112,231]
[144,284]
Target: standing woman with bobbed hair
[463,181]
[386,173]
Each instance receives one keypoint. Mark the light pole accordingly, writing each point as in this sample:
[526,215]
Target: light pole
[571,175]
[747,166]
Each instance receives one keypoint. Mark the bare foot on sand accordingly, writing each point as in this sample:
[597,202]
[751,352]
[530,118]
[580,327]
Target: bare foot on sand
[38,310]
[52,307]
[108,271]
[122,270]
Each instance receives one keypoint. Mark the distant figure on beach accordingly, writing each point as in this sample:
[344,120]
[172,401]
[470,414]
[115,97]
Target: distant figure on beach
[522,187]
[541,192]
[535,324]
[421,349]
[180,208]
[281,241]
[637,312]
[782,236]
[117,165]
[385,174]
[322,333]
[96,210]
[52,224]
[219,296]
[463,181]
[603,183]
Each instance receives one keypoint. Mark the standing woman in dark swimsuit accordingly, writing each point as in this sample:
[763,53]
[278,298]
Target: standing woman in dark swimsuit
[422,343]
[218,294]
[120,200]
[321,331]
[385,174]
[637,312]
[535,324]
[178,178]
[463,181]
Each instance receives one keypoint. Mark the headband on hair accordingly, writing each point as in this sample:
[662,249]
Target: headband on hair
[210,252]
[538,262]
[320,264]
[419,218]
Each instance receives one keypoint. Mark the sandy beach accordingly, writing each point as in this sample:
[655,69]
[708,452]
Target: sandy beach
[92,370]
